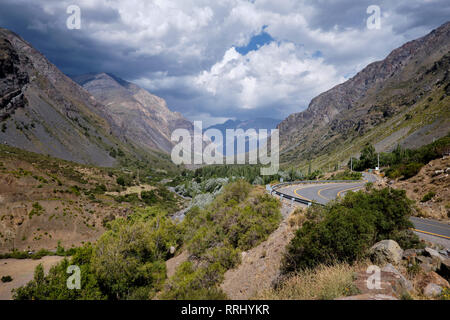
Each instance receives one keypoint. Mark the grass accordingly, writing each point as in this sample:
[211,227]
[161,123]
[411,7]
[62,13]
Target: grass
[325,282]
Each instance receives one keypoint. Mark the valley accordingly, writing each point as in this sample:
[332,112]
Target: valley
[87,178]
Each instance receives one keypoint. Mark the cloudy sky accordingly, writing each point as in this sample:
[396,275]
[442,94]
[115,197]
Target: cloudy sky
[220,59]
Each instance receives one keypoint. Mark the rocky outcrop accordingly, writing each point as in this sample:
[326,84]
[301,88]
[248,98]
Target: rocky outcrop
[386,251]
[42,110]
[12,80]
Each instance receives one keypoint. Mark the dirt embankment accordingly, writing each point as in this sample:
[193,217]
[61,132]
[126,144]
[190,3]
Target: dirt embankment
[430,189]
[21,271]
[260,266]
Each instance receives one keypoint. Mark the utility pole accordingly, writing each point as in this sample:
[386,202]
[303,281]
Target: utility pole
[378,161]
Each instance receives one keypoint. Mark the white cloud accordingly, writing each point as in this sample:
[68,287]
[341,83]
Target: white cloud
[202,75]
[276,74]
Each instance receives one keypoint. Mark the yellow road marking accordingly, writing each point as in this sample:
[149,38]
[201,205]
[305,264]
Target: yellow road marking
[353,188]
[433,234]
[319,192]
[295,191]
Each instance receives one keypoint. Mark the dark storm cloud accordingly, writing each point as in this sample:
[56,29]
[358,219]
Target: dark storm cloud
[181,51]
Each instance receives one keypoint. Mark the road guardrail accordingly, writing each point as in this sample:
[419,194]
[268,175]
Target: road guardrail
[282,195]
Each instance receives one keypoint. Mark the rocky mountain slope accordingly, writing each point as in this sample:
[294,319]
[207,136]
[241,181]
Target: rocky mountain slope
[42,110]
[401,99]
[140,116]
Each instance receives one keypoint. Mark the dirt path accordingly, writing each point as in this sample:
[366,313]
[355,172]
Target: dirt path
[260,266]
[22,271]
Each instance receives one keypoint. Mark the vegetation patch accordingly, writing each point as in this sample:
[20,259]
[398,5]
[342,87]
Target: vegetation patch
[325,282]
[239,219]
[344,230]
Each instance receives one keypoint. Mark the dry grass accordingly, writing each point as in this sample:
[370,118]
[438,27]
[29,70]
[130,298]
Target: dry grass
[297,218]
[321,283]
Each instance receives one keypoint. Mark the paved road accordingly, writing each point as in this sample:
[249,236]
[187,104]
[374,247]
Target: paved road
[323,193]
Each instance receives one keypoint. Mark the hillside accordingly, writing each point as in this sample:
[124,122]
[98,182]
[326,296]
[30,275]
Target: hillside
[140,116]
[44,111]
[45,200]
[402,99]
[430,189]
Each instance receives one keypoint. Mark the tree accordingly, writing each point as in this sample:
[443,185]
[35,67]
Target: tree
[368,158]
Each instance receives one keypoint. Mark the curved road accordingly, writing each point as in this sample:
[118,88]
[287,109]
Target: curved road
[323,193]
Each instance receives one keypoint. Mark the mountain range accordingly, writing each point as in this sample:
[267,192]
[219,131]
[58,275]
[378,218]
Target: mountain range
[257,123]
[403,99]
[44,111]
[140,116]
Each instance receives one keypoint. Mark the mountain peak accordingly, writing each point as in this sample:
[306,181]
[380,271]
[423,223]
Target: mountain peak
[142,116]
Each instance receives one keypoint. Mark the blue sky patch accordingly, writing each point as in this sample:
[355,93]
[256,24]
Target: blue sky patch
[256,42]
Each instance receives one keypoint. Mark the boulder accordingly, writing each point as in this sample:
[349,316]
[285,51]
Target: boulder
[432,277]
[410,256]
[433,254]
[386,251]
[432,290]
[392,282]
[401,284]
[426,264]
[444,270]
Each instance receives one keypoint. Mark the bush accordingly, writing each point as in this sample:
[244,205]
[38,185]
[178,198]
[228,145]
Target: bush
[120,181]
[240,218]
[427,197]
[344,231]
[6,279]
[126,263]
[191,283]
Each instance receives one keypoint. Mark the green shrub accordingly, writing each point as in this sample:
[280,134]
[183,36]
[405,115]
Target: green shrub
[131,197]
[6,279]
[427,197]
[239,218]
[120,181]
[126,263]
[37,210]
[191,283]
[343,231]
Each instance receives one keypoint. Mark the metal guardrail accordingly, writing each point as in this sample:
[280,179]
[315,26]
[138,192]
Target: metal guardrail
[300,200]
[286,196]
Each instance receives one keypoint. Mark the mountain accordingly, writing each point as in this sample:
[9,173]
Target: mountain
[403,99]
[42,110]
[140,116]
[257,123]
